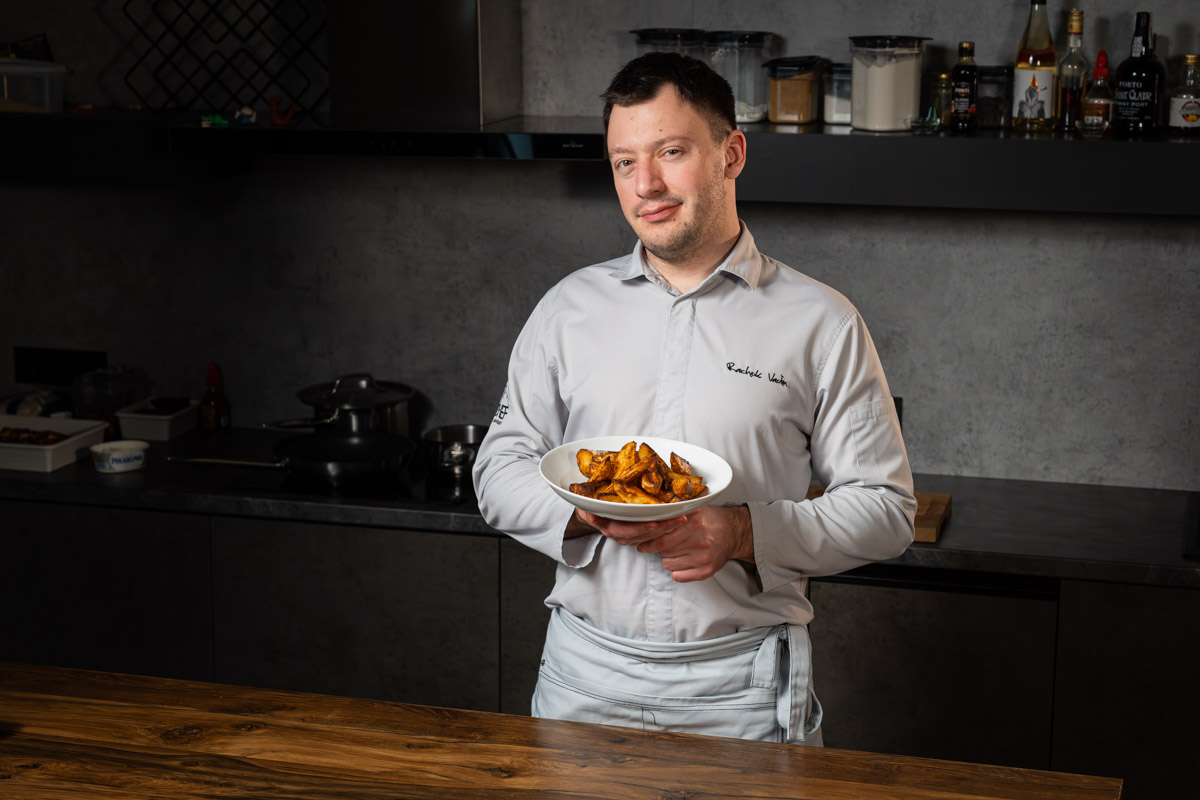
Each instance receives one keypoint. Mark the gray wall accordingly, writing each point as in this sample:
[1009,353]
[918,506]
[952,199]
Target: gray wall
[1050,347]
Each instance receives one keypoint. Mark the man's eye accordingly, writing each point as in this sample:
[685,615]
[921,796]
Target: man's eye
[623,163]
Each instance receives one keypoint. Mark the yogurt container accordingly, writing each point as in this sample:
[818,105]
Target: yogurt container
[125,455]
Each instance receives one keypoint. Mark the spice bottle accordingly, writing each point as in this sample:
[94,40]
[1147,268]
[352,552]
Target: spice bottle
[1098,102]
[214,406]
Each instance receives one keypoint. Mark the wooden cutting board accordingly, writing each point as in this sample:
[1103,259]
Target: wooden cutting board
[932,510]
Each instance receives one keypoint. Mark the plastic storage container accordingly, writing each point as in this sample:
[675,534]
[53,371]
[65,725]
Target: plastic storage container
[685,41]
[738,56]
[31,85]
[836,85]
[157,421]
[993,104]
[885,81]
[794,90]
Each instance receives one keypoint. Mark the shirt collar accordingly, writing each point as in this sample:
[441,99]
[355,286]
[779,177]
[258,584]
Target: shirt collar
[743,262]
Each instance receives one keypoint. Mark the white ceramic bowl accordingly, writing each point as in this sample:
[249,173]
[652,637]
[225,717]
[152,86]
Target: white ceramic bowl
[560,469]
[121,456]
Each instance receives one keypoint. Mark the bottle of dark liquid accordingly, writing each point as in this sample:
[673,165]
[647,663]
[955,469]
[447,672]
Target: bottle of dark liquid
[1033,79]
[1138,85]
[964,83]
[1072,73]
[214,406]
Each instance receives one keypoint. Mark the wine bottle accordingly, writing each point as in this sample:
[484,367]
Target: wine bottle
[964,84]
[1033,79]
[1139,83]
[1072,73]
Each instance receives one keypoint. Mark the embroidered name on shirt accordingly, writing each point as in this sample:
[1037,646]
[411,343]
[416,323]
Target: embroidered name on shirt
[750,372]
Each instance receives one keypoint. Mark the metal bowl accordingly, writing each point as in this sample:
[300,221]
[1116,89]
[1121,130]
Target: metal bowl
[452,448]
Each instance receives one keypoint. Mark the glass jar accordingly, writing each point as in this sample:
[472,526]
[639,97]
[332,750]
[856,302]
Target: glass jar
[885,81]
[793,95]
[836,87]
[993,107]
[738,56]
[685,41]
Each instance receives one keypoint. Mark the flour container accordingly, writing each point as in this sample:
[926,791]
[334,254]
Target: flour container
[885,92]
[685,41]
[738,56]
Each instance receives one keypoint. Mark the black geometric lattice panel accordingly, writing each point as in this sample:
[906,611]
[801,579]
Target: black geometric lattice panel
[220,55]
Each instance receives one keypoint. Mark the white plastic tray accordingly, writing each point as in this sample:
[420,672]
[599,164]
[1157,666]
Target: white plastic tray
[81,434]
[137,424]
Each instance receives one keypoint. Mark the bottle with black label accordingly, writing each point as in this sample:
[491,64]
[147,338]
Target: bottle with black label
[964,84]
[1138,84]
[1183,109]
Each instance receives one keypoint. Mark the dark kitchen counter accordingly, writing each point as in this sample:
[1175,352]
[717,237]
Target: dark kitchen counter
[1008,527]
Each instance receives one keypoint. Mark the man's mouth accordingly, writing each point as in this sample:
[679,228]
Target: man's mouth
[657,213]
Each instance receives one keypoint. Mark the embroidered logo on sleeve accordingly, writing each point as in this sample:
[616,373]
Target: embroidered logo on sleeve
[751,372]
[502,410]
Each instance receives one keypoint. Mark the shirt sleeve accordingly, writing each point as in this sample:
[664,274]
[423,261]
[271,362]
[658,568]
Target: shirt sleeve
[868,509]
[530,421]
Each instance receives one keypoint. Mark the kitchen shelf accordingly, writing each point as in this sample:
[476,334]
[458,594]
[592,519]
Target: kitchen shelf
[986,170]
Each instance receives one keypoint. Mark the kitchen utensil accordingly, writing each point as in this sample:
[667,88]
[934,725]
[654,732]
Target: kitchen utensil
[355,403]
[124,455]
[335,461]
[452,448]
[560,469]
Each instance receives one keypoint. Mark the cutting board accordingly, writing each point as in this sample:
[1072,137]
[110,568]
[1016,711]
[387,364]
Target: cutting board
[932,510]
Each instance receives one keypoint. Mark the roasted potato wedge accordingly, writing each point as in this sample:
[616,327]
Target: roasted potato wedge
[636,474]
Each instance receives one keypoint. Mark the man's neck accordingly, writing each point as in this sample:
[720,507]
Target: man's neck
[687,273]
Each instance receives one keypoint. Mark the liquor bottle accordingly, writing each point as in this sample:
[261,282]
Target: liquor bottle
[1098,102]
[964,83]
[214,406]
[1072,73]
[1183,115]
[1033,79]
[1139,83]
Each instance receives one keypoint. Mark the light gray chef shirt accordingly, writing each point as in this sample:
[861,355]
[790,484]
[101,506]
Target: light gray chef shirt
[764,366]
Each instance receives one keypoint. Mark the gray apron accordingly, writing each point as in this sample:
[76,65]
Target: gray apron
[754,684]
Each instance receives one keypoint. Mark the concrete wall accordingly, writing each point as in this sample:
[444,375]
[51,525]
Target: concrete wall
[1050,347]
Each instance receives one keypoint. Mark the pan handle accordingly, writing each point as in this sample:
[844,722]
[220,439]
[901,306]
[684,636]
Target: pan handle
[233,462]
[314,422]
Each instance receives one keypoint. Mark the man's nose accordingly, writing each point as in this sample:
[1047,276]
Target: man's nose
[649,180]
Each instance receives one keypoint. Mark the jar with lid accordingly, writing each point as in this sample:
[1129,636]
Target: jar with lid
[794,92]
[685,41]
[836,86]
[994,100]
[738,56]
[885,81]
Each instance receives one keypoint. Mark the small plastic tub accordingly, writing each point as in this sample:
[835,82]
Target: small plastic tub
[794,93]
[125,455]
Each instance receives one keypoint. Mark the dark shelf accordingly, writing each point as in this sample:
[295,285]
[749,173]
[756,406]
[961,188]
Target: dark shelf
[992,170]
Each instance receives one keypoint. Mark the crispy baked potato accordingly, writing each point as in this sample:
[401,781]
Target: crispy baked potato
[636,474]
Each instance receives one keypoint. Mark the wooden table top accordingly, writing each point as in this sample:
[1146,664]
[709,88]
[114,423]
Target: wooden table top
[67,734]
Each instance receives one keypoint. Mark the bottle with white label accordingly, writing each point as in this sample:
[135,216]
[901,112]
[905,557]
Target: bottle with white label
[1183,110]
[1033,79]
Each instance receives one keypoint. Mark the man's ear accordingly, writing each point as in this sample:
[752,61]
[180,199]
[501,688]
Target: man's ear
[735,154]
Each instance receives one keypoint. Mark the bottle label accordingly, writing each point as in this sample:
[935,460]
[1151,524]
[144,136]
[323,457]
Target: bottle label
[1033,93]
[1135,101]
[964,98]
[1184,113]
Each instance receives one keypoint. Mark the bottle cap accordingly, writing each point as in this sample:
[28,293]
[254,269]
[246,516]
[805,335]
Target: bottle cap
[1075,21]
[1101,70]
[1191,60]
[214,374]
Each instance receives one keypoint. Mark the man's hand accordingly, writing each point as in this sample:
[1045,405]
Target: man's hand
[692,547]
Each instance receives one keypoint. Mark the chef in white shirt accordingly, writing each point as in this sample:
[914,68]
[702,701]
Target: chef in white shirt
[699,623]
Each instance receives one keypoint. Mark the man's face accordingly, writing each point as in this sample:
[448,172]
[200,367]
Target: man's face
[670,176]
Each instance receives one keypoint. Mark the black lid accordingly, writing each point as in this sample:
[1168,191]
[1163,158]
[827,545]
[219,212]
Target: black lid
[739,38]
[794,65]
[669,35]
[884,42]
[839,68]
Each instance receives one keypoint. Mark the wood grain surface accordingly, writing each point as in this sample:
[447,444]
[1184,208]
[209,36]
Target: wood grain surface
[932,510]
[68,734]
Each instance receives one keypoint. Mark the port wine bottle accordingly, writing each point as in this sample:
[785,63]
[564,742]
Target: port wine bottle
[1138,84]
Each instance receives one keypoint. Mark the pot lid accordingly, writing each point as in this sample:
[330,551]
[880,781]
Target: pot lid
[351,392]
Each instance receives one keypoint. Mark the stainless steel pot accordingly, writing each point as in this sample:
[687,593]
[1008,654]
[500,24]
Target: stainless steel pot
[355,403]
[452,448]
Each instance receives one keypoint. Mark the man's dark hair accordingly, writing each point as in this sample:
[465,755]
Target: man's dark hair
[696,82]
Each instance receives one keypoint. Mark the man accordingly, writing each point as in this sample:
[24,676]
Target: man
[698,623]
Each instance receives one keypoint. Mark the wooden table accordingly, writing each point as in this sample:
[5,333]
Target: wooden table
[68,734]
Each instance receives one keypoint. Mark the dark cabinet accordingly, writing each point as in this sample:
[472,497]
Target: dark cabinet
[106,588]
[526,577]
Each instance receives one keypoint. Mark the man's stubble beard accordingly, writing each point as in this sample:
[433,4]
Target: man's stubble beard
[693,236]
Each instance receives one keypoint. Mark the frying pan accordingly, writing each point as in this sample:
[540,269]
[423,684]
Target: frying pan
[329,460]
